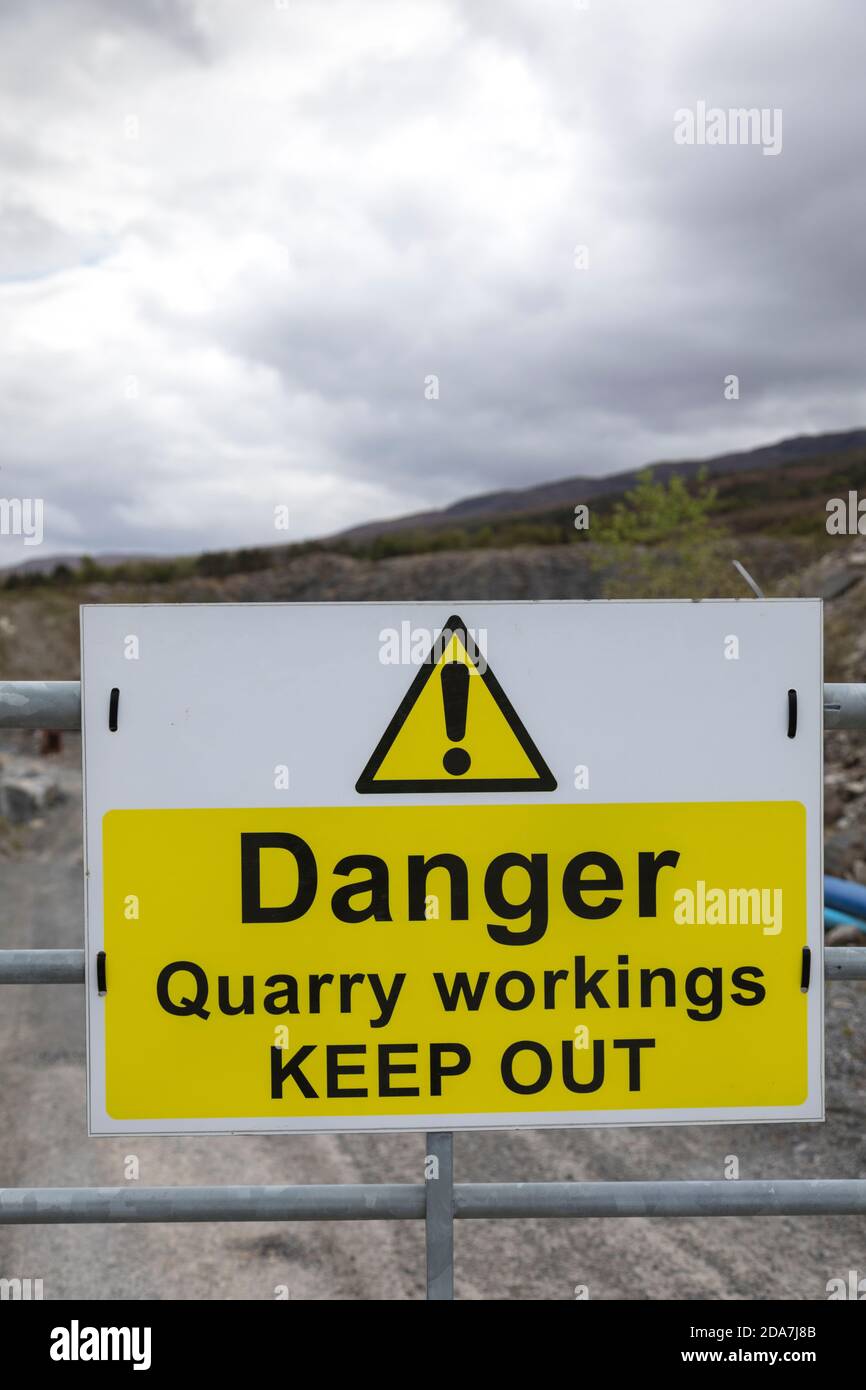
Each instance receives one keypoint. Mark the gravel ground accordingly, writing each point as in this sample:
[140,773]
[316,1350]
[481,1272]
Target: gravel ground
[43,1142]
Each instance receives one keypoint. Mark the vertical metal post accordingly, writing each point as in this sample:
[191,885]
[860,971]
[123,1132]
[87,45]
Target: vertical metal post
[439,1183]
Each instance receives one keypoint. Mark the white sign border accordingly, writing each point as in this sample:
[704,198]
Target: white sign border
[102,1125]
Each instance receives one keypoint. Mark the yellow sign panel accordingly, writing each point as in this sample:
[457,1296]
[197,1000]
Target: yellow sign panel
[379,963]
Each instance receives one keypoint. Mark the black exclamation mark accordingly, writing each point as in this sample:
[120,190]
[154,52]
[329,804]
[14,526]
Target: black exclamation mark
[455,698]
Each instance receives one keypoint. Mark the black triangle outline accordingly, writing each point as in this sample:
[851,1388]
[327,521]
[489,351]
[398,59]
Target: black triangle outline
[544,781]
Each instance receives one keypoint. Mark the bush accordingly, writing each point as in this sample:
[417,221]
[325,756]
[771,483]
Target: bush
[661,541]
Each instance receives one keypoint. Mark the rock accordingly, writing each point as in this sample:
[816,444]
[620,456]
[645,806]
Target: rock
[840,850]
[834,585]
[833,806]
[845,934]
[25,796]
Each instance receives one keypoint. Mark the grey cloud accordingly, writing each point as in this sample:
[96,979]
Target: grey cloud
[395,218]
[179,22]
[32,246]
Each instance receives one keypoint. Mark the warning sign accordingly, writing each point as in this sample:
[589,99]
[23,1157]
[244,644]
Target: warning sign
[455,730]
[273,947]
[327,968]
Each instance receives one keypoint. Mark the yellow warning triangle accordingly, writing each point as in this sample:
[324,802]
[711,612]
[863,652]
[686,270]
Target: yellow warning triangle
[455,730]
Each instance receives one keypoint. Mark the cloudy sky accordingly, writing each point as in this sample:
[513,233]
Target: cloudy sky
[238,237]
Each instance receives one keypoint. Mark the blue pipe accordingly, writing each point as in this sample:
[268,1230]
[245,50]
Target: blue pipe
[845,897]
[832,918]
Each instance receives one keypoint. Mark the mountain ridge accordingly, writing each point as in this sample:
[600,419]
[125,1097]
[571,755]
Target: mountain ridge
[541,497]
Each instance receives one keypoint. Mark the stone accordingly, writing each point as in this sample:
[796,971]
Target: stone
[26,796]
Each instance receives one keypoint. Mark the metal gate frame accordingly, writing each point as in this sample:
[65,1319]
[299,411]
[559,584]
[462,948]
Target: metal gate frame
[438,1201]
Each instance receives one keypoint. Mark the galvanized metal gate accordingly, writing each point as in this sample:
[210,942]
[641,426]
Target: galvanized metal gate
[438,1200]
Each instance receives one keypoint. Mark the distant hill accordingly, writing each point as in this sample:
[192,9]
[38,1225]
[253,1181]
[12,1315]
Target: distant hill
[777,490]
[544,498]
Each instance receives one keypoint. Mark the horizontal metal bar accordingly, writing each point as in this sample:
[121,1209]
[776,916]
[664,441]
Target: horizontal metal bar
[803,1197]
[57,705]
[43,967]
[844,706]
[845,962]
[49,967]
[40,704]
[38,1206]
